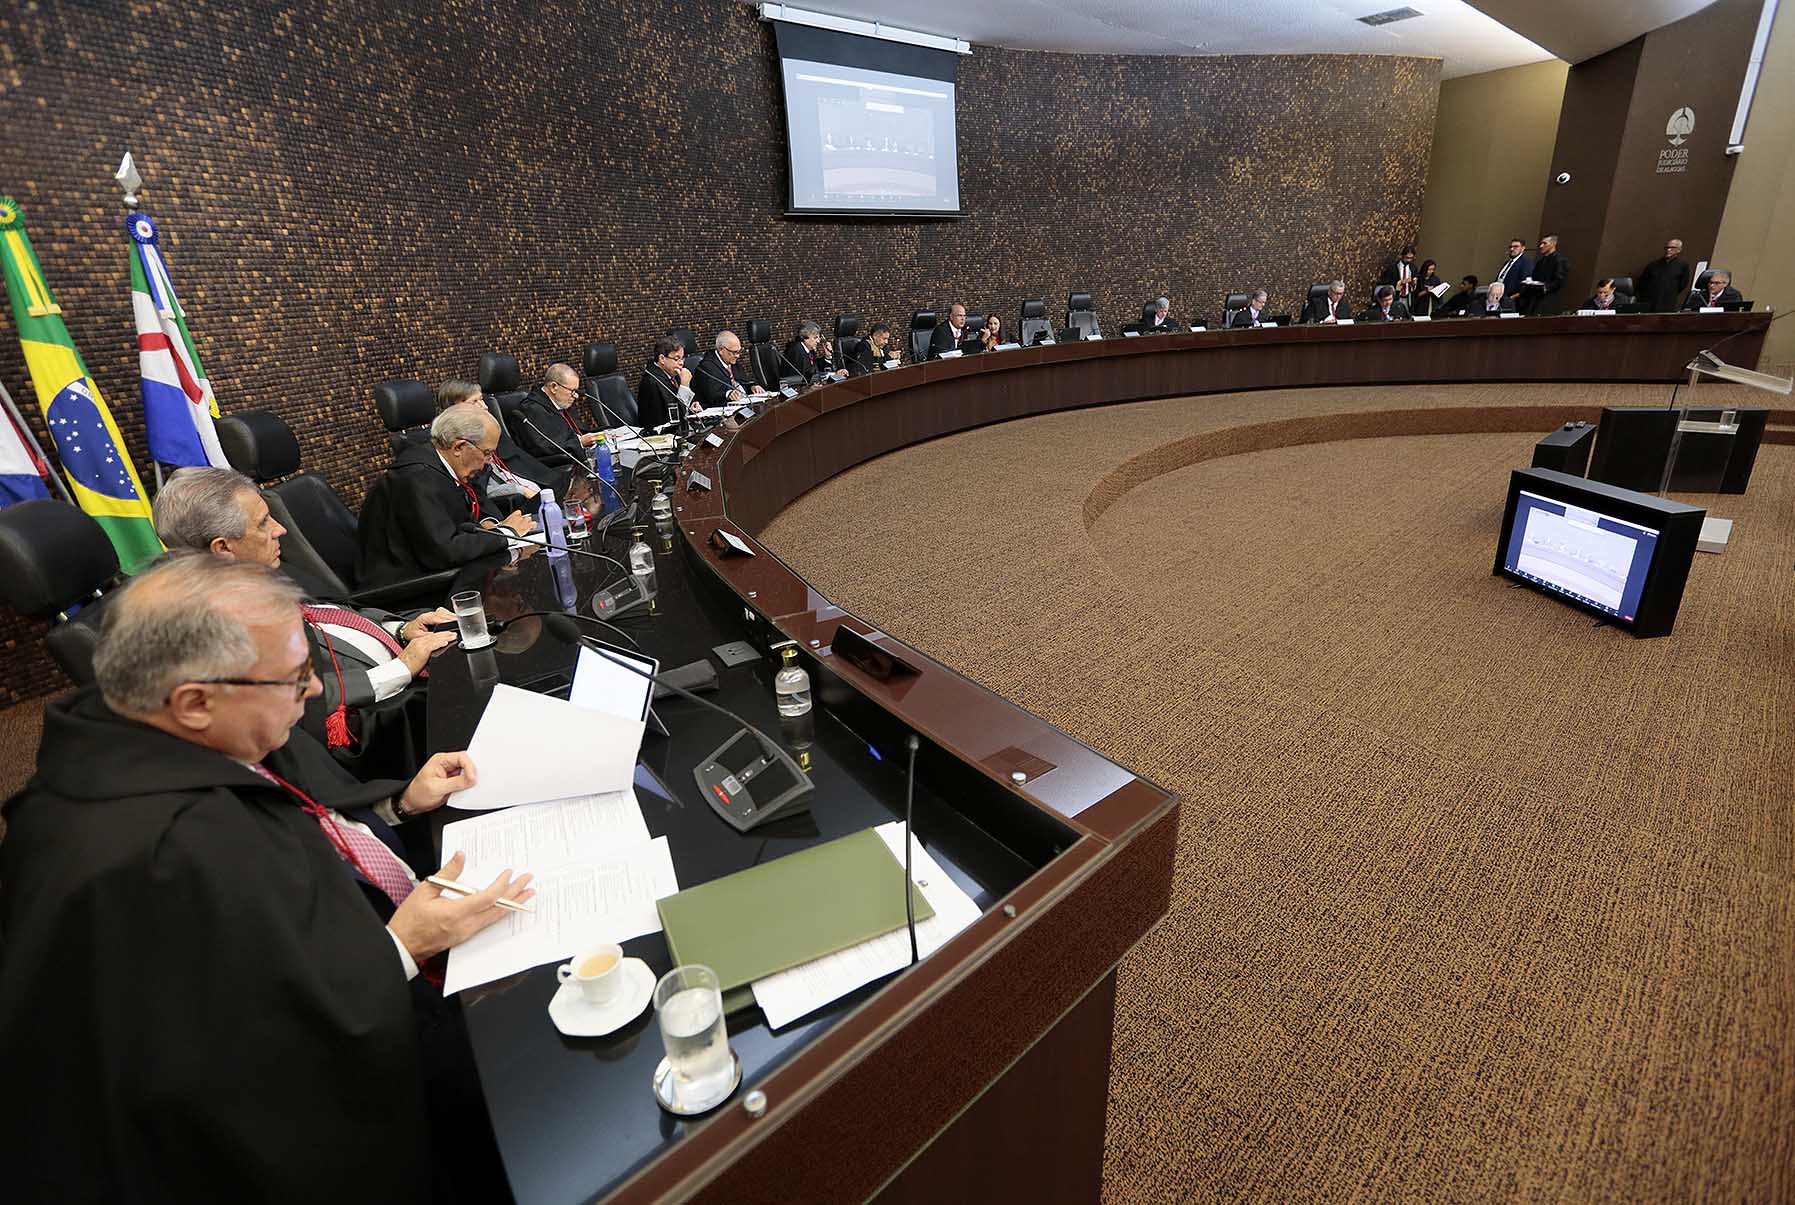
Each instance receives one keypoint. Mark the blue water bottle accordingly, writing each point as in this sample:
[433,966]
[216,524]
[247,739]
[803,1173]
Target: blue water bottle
[601,458]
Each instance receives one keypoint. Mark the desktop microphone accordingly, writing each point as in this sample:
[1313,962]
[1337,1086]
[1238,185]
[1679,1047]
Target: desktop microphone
[543,543]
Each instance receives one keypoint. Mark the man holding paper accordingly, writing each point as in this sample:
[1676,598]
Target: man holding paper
[188,958]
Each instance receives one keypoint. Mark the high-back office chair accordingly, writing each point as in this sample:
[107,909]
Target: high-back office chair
[53,560]
[261,446]
[763,358]
[606,388]
[1081,315]
[1317,291]
[1232,302]
[499,375]
[1148,310]
[922,329]
[1033,326]
[406,410]
[1623,290]
[687,340]
[1700,285]
[846,329]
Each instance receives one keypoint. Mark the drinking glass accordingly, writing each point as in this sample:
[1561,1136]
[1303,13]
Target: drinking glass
[699,1071]
[470,616]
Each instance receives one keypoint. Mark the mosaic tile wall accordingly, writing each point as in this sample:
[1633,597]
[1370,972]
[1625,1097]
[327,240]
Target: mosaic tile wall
[351,192]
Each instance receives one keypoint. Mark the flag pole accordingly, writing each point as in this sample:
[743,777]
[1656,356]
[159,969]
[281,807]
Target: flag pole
[131,181]
[37,451]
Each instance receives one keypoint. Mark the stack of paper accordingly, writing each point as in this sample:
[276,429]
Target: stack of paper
[530,747]
[795,993]
[598,875]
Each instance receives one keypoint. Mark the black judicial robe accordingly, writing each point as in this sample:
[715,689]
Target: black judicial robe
[196,1002]
[657,397]
[416,520]
[712,380]
[1661,284]
[545,435]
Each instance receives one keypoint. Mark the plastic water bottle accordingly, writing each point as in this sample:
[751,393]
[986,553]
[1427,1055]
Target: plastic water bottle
[791,685]
[554,525]
[608,497]
[641,564]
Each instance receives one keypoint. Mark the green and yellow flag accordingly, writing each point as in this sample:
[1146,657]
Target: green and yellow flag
[87,440]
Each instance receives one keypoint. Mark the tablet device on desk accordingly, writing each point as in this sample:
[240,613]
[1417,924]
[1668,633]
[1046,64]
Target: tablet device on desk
[601,684]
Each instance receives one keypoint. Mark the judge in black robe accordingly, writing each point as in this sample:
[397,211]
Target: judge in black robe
[1661,284]
[657,394]
[422,516]
[208,1007]
[545,427]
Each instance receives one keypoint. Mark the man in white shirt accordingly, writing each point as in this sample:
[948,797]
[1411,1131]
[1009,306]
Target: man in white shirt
[949,335]
[363,656]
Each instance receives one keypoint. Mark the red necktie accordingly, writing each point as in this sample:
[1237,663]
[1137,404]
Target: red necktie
[568,419]
[343,617]
[362,850]
[473,499]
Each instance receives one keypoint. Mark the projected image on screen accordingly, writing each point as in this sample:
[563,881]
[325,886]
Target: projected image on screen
[864,139]
[1591,557]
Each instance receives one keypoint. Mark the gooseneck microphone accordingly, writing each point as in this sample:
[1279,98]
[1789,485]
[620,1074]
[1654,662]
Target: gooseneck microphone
[543,543]
[496,626]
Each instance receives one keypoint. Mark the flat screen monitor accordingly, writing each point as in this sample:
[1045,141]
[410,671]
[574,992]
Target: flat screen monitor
[869,124]
[1614,552]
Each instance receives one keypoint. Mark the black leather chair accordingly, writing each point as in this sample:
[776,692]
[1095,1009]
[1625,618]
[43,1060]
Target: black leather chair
[846,330]
[499,375]
[763,358]
[1317,290]
[689,341]
[1232,302]
[321,544]
[406,409]
[1081,315]
[1623,290]
[922,329]
[1148,309]
[1033,327]
[55,559]
[606,388]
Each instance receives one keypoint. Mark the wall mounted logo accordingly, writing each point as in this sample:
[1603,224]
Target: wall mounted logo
[1675,160]
[1680,125]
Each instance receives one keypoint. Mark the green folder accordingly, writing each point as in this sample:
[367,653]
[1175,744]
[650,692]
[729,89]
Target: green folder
[767,918]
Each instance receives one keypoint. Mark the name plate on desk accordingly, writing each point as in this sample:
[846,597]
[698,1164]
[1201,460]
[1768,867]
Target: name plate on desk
[1595,313]
[698,481]
[1131,334]
[1089,335]
[955,354]
[1195,330]
[789,391]
[730,542]
[1008,347]
[1712,309]
[1343,322]
[1423,318]
[892,363]
[714,440]
[1507,314]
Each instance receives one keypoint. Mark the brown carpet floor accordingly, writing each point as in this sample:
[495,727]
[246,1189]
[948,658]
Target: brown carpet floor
[1474,901]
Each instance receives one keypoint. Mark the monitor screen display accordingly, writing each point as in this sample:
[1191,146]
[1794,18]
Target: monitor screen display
[870,125]
[1595,559]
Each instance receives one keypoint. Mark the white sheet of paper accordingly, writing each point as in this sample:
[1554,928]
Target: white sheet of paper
[1439,290]
[576,906]
[539,837]
[531,747]
[601,684]
[791,994]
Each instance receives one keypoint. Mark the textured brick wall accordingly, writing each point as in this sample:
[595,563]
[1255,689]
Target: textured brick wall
[352,192]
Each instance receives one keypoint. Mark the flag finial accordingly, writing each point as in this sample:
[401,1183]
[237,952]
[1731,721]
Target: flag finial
[128,178]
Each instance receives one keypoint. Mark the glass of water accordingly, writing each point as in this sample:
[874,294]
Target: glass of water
[700,1070]
[578,523]
[470,616]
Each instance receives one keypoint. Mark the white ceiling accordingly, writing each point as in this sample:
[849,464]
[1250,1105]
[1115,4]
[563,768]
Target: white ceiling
[1582,30]
[1466,39]
[1467,35]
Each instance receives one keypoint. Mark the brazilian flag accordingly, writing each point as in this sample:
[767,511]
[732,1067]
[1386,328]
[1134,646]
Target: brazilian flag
[87,440]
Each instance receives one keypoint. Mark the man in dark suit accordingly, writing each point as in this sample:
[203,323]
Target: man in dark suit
[1719,291]
[370,714]
[1249,314]
[1466,297]
[424,515]
[1514,269]
[1540,293]
[1661,284]
[808,355]
[1494,304]
[871,353]
[658,395]
[546,427]
[1160,321]
[1385,307]
[181,888]
[512,477]
[715,381]
[1400,274]
[951,334]
[1603,298]
[1331,308]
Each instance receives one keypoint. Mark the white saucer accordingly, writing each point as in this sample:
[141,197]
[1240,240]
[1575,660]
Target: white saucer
[577,1019]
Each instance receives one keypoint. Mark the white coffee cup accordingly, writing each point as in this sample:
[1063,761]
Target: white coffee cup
[596,970]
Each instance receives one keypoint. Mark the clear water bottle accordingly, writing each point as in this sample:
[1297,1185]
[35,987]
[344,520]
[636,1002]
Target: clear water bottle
[662,506]
[554,525]
[641,564]
[791,685]
[609,499]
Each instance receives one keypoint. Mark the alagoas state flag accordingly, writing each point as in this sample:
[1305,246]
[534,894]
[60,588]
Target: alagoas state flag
[178,406]
[93,455]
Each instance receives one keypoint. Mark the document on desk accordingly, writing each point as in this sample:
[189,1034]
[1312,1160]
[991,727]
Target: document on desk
[796,993]
[531,747]
[597,877]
